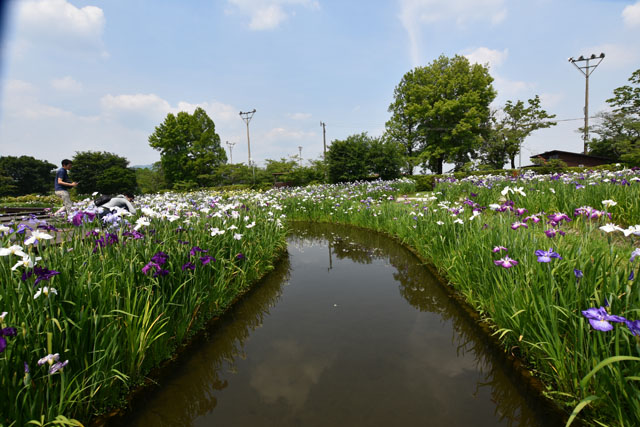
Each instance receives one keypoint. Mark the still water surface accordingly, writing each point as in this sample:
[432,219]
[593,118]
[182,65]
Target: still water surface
[348,330]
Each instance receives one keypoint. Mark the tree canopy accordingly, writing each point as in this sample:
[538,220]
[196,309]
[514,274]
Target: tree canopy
[104,172]
[189,146]
[441,112]
[25,175]
[360,156]
[510,127]
[618,132]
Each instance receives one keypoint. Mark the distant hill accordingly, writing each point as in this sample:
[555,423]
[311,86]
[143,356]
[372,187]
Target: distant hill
[142,166]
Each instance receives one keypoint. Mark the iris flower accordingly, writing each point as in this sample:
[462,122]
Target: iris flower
[12,250]
[634,254]
[506,262]
[36,236]
[545,256]
[599,318]
[499,249]
[517,225]
[46,291]
[6,332]
[634,326]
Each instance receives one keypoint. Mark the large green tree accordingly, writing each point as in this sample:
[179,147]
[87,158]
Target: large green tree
[347,159]
[360,156]
[511,127]
[104,172]
[189,146]
[25,175]
[441,111]
[618,132]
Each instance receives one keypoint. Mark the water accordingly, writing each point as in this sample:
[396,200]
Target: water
[351,330]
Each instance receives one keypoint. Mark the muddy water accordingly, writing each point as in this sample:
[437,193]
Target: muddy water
[349,330]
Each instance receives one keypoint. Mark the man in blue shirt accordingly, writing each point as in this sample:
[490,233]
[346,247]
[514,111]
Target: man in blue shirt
[62,184]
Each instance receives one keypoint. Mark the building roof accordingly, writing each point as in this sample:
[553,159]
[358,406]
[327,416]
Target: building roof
[552,152]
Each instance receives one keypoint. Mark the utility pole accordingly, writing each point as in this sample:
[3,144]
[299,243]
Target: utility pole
[324,143]
[586,70]
[300,155]
[246,117]
[230,144]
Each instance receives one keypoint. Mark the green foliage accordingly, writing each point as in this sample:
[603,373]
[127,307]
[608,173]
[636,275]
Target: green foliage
[25,175]
[103,172]
[150,180]
[549,166]
[189,146]
[347,159]
[619,130]
[361,156]
[509,131]
[441,111]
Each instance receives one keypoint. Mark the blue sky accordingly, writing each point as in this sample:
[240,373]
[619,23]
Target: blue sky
[80,75]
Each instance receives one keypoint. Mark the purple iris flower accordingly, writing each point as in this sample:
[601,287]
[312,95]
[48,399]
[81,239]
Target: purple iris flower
[22,228]
[552,232]
[188,266]
[6,332]
[149,266]
[521,211]
[545,256]
[160,258]
[57,366]
[207,259]
[183,242]
[599,318]
[558,217]
[634,254]
[517,225]
[634,326]
[533,218]
[240,256]
[499,249]
[578,273]
[197,249]
[632,275]
[43,274]
[506,262]
[77,219]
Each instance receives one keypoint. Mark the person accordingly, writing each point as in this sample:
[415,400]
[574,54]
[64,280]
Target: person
[61,186]
[123,201]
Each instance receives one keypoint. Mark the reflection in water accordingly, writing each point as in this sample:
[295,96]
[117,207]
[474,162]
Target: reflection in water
[325,340]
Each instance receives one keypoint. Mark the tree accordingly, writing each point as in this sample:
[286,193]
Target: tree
[386,158]
[619,130]
[104,172]
[509,131]
[25,175]
[347,159]
[441,111]
[150,180]
[189,146]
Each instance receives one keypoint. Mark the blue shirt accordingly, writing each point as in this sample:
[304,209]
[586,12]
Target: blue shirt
[62,173]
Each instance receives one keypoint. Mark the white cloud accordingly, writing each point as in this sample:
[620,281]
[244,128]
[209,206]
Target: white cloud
[509,88]
[299,116]
[147,104]
[414,14]
[218,111]
[269,14]
[59,23]
[631,15]
[484,55]
[66,84]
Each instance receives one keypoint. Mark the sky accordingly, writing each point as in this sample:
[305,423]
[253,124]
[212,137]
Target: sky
[100,75]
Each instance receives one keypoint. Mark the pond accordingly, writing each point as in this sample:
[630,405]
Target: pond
[349,329]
